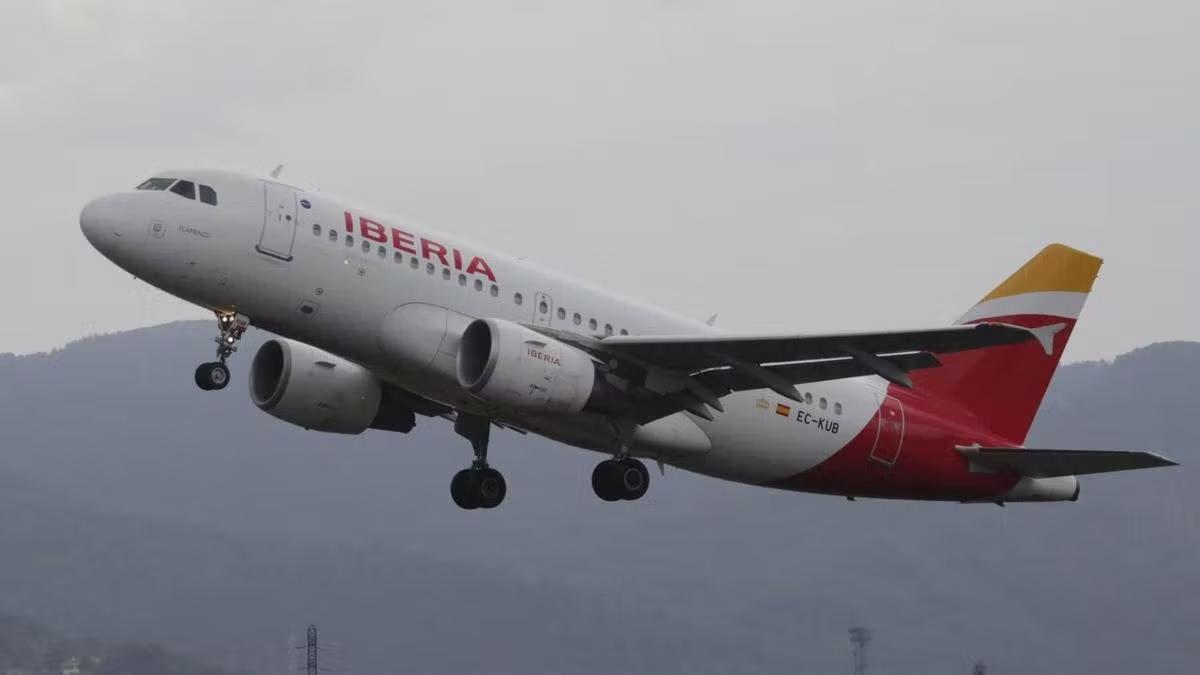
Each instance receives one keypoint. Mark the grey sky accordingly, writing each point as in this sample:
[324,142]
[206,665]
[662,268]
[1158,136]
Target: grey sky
[792,165]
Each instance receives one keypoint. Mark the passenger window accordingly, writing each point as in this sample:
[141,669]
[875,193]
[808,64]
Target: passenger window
[624,332]
[333,235]
[382,253]
[185,188]
[808,398]
[824,403]
[316,230]
[495,290]
[399,258]
[608,329]
[478,285]
[543,307]
[592,324]
[518,299]
[349,240]
[577,319]
[562,313]
[366,245]
[446,273]
[156,184]
[462,280]
[429,268]
[837,408]
[208,195]
[414,263]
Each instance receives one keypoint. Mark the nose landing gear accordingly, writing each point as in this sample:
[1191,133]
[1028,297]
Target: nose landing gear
[215,375]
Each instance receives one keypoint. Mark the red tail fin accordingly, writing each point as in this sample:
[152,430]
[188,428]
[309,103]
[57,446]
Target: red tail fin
[1003,386]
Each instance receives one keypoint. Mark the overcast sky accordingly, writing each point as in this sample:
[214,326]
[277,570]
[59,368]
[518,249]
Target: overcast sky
[792,165]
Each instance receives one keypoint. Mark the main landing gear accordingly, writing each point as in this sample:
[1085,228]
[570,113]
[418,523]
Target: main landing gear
[622,478]
[481,486]
[215,375]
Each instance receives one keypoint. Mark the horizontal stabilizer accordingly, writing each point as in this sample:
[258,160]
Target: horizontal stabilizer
[1041,463]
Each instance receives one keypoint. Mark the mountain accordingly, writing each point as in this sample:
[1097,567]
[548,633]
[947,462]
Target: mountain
[135,507]
[30,649]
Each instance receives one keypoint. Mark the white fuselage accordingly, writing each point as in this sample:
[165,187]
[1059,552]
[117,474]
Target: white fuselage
[316,269]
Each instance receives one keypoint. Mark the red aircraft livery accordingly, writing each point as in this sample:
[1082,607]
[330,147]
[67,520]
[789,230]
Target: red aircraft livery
[414,245]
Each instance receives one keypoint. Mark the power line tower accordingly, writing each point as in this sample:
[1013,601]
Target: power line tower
[312,650]
[859,637]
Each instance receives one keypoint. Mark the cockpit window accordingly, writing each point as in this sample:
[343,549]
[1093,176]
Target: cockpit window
[208,195]
[185,188]
[156,184]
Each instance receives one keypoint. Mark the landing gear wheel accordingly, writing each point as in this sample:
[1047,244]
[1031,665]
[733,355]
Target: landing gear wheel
[492,488]
[604,482]
[212,376]
[464,489]
[633,479]
[614,480]
[478,488]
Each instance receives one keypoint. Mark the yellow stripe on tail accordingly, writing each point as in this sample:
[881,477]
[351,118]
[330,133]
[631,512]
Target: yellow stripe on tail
[1056,268]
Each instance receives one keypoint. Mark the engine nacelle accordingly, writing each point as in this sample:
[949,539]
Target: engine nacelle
[505,363]
[314,389]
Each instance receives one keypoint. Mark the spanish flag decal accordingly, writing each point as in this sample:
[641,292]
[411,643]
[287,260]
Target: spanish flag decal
[783,410]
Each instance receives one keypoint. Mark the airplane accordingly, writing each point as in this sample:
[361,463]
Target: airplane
[381,320]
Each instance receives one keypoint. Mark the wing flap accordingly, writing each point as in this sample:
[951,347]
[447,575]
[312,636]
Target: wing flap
[1048,463]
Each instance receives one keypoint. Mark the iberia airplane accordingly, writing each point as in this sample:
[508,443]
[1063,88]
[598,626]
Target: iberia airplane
[382,320]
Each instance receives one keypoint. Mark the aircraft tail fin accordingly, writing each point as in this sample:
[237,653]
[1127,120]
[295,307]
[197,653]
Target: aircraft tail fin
[1003,386]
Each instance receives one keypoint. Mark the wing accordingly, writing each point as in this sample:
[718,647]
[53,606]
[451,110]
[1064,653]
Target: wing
[661,375]
[699,352]
[1041,463]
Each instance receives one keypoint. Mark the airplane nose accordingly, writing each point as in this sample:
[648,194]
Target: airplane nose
[101,224]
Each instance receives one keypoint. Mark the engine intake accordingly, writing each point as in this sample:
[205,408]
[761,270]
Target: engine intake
[508,364]
[314,389]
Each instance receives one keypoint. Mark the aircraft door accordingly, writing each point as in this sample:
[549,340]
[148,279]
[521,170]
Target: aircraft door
[889,436]
[543,309]
[279,221]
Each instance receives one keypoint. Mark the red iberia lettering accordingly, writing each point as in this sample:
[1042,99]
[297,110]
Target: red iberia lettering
[403,241]
[480,266]
[430,248]
[400,240]
[372,230]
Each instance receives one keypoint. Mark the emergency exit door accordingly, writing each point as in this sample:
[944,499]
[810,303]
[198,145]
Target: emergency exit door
[279,221]
[543,309]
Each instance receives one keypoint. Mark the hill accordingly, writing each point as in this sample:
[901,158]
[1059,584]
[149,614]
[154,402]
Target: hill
[137,507]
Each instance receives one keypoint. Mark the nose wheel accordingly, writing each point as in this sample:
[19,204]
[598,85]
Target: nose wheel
[214,375]
[620,479]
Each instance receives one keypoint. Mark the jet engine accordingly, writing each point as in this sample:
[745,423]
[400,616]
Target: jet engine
[314,389]
[508,364]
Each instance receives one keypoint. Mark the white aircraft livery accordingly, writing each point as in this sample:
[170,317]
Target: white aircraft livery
[381,320]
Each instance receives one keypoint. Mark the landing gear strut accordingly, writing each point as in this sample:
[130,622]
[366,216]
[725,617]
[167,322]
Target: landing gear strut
[616,479]
[215,375]
[481,486]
